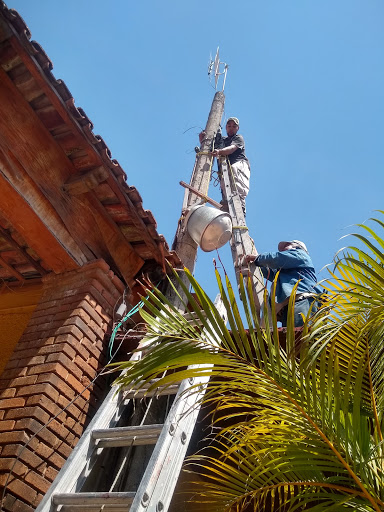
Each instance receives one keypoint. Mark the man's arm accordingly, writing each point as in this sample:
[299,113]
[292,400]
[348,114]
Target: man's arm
[225,151]
[268,273]
[280,259]
[294,258]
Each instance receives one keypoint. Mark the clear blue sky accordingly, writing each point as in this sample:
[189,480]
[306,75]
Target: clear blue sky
[305,78]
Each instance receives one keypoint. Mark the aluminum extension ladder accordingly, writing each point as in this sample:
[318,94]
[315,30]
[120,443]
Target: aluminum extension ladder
[170,440]
[241,241]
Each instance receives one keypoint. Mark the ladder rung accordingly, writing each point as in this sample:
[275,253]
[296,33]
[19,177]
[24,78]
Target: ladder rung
[95,508]
[127,436]
[95,499]
[143,391]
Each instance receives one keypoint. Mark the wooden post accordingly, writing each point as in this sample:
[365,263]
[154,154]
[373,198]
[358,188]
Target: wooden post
[183,244]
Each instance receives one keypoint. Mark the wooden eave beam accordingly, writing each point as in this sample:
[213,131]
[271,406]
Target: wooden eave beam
[33,154]
[58,103]
[11,270]
[35,264]
[136,219]
[127,260]
[38,236]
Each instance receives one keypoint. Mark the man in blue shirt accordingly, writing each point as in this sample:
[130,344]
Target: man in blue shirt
[295,265]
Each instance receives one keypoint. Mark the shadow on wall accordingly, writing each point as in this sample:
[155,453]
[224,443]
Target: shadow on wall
[16,308]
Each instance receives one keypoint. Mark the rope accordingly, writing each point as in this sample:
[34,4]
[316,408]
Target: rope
[203,153]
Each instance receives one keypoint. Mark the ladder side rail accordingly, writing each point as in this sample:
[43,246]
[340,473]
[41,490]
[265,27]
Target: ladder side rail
[82,458]
[159,481]
[241,242]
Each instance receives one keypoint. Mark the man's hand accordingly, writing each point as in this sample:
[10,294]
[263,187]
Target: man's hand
[202,136]
[247,258]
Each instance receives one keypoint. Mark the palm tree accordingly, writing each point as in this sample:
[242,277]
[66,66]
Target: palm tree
[300,424]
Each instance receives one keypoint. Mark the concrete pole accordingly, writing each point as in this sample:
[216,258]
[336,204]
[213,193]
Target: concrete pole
[183,244]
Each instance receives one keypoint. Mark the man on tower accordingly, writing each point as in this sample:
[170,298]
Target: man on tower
[295,265]
[233,147]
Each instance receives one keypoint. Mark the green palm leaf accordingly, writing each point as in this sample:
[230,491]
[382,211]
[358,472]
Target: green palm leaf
[297,425]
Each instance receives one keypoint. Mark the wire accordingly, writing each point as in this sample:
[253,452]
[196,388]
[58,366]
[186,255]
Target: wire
[130,313]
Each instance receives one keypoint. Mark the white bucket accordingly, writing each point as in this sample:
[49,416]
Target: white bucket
[209,227]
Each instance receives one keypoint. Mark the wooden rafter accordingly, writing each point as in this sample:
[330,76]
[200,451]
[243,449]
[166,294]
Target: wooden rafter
[35,264]
[11,270]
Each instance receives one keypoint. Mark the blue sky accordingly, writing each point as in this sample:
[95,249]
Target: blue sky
[305,78]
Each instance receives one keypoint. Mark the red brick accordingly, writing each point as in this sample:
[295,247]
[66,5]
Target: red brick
[34,427]
[21,352]
[79,406]
[64,348]
[21,490]
[85,368]
[28,412]
[41,341]
[8,393]
[31,361]
[6,464]
[9,503]
[82,314]
[43,327]
[50,473]
[46,305]
[58,383]
[93,313]
[93,348]
[46,403]
[23,381]
[79,348]
[39,389]
[26,339]
[37,482]
[70,329]
[78,322]
[92,361]
[97,288]
[79,385]
[41,316]
[104,313]
[76,427]
[6,425]
[48,368]
[24,454]
[20,506]
[56,460]
[37,500]
[58,428]
[13,373]
[8,403]
[14,437]
[64,450]
[12,364]
[73,301]
[66,362]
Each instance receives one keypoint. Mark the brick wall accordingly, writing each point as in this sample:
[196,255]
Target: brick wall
[59,353]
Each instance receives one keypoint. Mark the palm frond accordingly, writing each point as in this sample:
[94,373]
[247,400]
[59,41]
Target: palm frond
[299,425]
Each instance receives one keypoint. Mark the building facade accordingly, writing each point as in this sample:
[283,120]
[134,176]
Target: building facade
[74,238]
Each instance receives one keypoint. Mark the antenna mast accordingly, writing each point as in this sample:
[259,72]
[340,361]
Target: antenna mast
[185,247]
